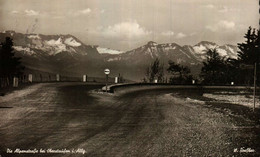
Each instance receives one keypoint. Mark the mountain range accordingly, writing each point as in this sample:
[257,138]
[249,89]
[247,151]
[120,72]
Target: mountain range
[67,55]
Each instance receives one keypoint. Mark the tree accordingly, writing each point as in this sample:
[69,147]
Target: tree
[213,70]
[231,71]
[181,74]
[219,70]
[249,51]
[10,65]
[155,71]
[248,54]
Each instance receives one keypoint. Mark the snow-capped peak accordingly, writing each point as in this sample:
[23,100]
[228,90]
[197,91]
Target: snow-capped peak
[102,50]
[34,36]
[53,42]
[206,43]
[25,50]
[57,44]
[72,42]
[200,49]
[152,43]
[222,52]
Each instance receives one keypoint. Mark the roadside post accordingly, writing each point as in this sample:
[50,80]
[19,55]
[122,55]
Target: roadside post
[30,78]
[107,72]
[254,86]
[57,77]
[84,78]
[15,82]
[116,79]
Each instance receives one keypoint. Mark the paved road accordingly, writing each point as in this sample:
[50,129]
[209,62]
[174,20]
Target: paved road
[144,123]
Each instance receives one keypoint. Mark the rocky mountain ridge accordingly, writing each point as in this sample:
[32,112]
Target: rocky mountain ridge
[67,55]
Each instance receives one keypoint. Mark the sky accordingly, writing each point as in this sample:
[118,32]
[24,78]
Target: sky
[128,24]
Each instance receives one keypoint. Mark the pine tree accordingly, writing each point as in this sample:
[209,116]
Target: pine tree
[155,71]
[213,70]
[248,55]
[10,65]
[249,51]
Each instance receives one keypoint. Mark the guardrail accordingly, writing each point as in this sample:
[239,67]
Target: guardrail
[128,87]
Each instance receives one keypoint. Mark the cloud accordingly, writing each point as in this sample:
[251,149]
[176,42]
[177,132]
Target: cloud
[225,9]
[102,11]
[209,6]
[227,24]
[167,33]
[221,25]
[220,9]
[83,12]
[212,28]
[180,35]
[193,33]
[129,30]
[14,12]
[58,17]
[31,13]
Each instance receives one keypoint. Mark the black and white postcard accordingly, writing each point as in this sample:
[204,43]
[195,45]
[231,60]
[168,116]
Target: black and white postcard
[139,78]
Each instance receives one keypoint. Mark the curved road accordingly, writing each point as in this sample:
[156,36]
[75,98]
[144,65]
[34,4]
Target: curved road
[61,116]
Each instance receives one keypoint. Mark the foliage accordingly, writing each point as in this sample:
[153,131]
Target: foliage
[181,74]
[219,70]
[10,65]
[248,55]
[155,71]
[214,69]
[249,51]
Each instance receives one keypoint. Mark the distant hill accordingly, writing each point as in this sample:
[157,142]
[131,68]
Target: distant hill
[67,55]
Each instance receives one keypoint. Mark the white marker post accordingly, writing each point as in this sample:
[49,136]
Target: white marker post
[84,78]
[30,78]
[107,72]
[15,82]
[57,77]
[116,79]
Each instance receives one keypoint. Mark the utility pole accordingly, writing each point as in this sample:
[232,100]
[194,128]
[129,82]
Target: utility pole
[254,86]
[244,66]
